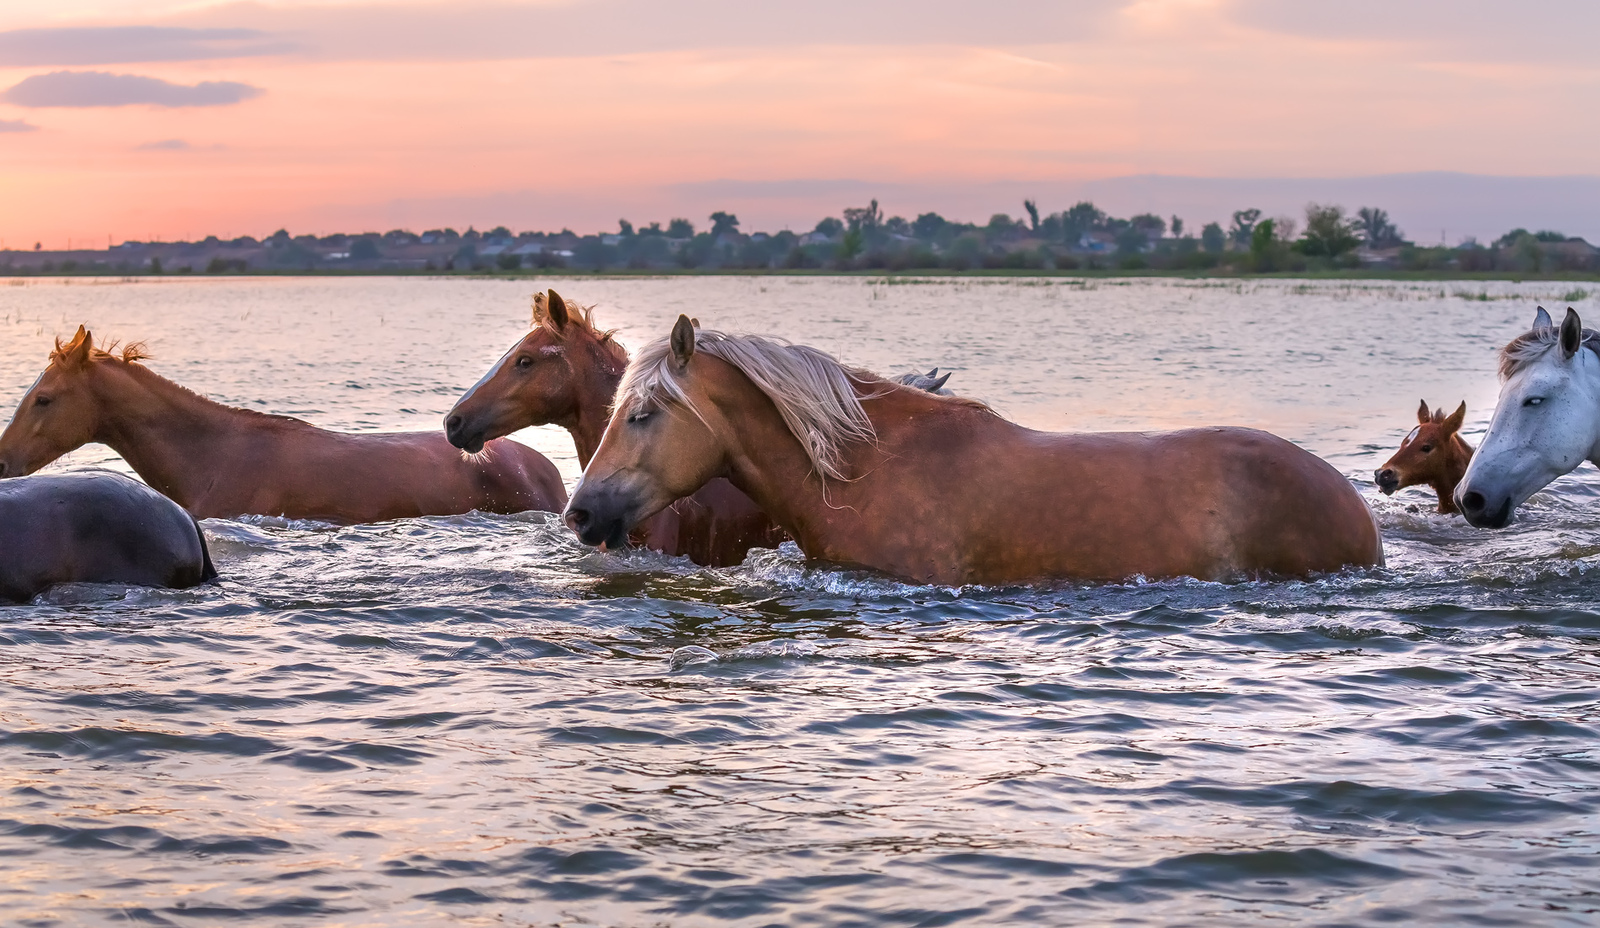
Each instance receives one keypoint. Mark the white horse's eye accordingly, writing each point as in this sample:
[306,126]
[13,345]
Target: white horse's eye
[1533,401]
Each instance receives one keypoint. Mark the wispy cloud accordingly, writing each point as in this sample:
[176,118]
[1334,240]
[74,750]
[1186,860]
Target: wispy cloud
[97,88]
[165,145]
[16,125]
[121,44]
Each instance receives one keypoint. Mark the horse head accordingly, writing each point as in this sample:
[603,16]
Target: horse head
[658,446]
[545,378]
[1546,420]
[61,411]
[1432,453]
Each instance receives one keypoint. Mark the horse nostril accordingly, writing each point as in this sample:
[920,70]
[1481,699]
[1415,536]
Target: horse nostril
[1472,501]
[2,468]
[452,424]
[577,519]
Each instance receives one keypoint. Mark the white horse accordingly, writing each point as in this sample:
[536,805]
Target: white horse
[1546,422]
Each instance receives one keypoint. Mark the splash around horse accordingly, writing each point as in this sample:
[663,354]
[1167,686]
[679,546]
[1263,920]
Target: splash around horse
[932,489]
[1546,421]
[95,527]
[218,461]
[1433,453]
[565,372]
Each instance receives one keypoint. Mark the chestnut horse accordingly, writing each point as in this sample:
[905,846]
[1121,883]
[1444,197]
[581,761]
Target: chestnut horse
[932,489]
[217,461]
[565,372]
[1433,453]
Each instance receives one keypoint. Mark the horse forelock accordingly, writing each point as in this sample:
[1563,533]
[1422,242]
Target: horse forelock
[1534,344]
[131,352]
[817,396]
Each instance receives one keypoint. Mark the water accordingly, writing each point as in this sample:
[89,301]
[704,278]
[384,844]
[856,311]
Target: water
[476,721]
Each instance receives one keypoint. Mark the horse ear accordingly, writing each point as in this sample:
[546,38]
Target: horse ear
[683,341]
[1541,319]
[1571,334]
[1422,413]
[1453,422]
[694,321]
[78,350]
[556,308]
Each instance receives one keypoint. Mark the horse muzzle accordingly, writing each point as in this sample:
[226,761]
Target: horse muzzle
[1387,480]
[1482,512]
[461,434]
[599,517]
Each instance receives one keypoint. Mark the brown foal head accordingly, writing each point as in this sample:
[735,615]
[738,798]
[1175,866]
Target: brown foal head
[1433,453]
[61,411]
[562,364]
[656,449]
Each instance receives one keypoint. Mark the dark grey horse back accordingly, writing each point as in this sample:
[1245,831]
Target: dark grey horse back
[94,527]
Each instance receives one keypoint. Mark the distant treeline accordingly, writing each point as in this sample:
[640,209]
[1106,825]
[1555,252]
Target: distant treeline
[1327,237]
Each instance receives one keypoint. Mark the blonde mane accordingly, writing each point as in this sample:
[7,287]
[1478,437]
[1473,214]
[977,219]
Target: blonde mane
[1534,344]
[815,394]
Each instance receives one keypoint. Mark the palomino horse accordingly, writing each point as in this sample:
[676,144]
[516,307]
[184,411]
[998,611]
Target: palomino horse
[217,461]
[565,372]
[1546,422]
[1434,453]
[933,489]
[95,527]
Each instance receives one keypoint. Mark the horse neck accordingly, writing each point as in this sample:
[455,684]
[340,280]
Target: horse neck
[594,391]
[168,435]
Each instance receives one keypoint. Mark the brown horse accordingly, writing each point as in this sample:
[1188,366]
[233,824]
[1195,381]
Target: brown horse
[1434,453]
[217,461]
[565,372]
[933,489]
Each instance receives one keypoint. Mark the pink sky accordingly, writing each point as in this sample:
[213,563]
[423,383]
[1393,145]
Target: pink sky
[365,115]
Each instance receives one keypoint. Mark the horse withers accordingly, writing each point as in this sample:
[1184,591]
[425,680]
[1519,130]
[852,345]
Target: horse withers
[218,461]
[1433,453]
[95,527]
[932,489]
[1546,421]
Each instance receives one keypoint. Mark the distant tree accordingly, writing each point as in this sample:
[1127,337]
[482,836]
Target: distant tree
[499,232]
[928,226]
[1546,235]
[897,225]
[471,235]
[1374,227]
[1328,232]
[653,228]
[508,262]
[1081,219]
[829,227]
[1243,228]
[1131,240]
[722,223]
[1033,214]
[680,228]
[1212,238]
[865,219]
[1177,227]
[1150,224]
[279,238]
[625,228]
[364,249]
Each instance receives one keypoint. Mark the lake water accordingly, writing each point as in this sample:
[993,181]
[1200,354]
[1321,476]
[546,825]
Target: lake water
[477,721]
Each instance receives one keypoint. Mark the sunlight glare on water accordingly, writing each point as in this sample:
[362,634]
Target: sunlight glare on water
[475,720]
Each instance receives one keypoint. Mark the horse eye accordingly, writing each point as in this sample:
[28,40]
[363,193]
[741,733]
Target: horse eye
[1533,401]
[525,362]
[1426,448]
[638,417]
[41,401]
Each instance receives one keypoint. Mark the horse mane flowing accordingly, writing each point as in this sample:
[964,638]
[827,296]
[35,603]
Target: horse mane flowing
[815,394]
[1535,344]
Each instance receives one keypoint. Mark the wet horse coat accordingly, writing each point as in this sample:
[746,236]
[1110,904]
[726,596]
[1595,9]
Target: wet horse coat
[942,490]
[217,461]
[565,372]
[95,527]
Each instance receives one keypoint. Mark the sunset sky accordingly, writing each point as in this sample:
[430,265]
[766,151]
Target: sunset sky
[134,119]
